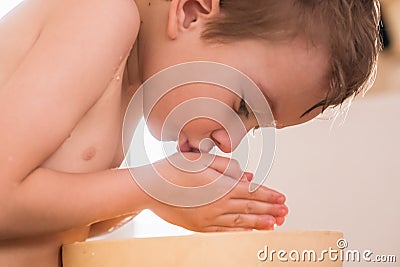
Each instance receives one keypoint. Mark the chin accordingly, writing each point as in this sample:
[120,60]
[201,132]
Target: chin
[154,130]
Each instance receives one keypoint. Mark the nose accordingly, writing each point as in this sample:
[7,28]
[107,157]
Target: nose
[219,138]
[224,141]
[194,138]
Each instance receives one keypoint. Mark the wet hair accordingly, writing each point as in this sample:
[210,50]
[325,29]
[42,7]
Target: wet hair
[349,30]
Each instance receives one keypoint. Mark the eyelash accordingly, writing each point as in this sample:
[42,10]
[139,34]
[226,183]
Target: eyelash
[243,109]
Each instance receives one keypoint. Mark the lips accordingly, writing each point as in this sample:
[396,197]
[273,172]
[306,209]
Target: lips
[186,147]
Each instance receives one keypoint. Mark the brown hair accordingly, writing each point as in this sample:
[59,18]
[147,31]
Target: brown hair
[349,27]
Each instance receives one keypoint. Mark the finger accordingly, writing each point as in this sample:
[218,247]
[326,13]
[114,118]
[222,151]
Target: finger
[252,221]
[249,176]
[228,167]
[280,220]
[226,229]
[275,191]
[236,206]
[263,194]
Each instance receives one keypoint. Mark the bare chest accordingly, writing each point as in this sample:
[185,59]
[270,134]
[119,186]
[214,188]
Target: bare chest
[93,143]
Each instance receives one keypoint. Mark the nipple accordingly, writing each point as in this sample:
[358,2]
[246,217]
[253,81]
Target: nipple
[89,153]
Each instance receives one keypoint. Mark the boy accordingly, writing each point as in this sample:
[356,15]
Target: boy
[68,73]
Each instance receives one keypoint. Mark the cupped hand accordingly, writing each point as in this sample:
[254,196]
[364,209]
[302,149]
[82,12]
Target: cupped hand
[236,210]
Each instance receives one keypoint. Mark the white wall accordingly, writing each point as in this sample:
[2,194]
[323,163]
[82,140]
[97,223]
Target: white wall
[346,178]
[7,5]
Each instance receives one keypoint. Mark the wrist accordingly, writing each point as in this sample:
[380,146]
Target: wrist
[139,197]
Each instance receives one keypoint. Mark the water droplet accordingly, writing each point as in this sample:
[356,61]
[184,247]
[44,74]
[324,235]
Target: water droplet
[253,133]
[112,229]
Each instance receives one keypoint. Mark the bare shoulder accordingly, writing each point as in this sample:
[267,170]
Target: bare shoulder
[85,22]
[122,13]
[122,16]
[65,69]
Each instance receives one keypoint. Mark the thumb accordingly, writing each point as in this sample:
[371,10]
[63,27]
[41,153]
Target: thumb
[226,166]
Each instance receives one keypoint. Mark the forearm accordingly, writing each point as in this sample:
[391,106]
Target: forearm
[110,225]
[48,201]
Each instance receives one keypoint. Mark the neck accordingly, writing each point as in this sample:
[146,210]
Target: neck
[153,25]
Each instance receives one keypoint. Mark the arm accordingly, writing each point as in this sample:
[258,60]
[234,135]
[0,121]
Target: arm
[49,201]
[62,76]
[41,204]
[108,226]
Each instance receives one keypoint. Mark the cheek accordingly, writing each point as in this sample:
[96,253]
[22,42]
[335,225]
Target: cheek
[197,110]
[154,127]
[200,127]
[158,116]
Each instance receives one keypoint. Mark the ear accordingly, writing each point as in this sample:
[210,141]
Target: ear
[186,14]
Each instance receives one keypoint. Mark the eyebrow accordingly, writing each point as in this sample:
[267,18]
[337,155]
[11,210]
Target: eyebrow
[320,104]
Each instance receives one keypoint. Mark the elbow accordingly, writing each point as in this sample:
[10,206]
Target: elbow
[8,211]
[5,222]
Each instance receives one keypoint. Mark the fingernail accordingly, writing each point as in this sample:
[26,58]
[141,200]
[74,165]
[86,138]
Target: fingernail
[281,199]
[249,176]
[282,211]
[271,221]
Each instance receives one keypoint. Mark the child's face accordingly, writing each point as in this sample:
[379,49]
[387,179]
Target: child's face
[292,76]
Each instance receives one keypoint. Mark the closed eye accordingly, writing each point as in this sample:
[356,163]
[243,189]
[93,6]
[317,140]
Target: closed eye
[320,104]
[243,110]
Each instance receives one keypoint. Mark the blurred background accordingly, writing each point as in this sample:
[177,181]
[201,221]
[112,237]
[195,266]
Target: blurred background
[341,175]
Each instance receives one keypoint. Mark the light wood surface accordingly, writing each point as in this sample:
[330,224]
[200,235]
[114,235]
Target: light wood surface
[203,250]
